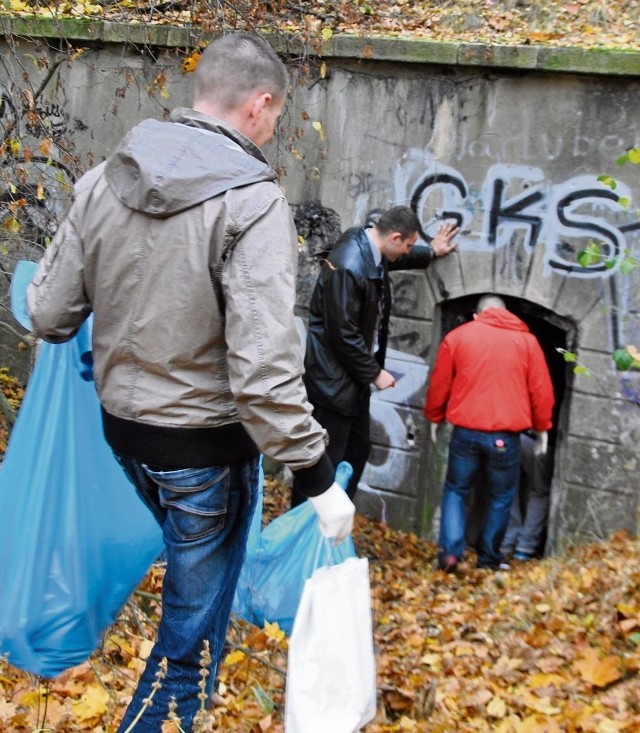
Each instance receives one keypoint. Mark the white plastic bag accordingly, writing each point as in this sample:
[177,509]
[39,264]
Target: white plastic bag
[331,675]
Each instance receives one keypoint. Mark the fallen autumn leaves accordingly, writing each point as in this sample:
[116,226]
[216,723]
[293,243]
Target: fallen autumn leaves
[551,645]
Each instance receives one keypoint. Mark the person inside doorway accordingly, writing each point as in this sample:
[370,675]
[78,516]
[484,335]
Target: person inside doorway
[490,380]
[524,538]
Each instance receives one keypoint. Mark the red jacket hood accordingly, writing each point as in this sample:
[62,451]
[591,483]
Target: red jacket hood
[490,374]
[501,318]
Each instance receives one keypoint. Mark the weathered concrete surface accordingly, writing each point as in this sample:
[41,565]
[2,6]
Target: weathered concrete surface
[487,136]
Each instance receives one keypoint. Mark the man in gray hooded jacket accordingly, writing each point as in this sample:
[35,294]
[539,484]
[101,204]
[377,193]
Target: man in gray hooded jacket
[183,247]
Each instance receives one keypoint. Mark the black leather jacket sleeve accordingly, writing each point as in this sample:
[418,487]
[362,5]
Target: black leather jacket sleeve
[348,299]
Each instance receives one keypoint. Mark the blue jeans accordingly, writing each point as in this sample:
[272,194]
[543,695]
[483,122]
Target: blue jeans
[205,514]
[499,454]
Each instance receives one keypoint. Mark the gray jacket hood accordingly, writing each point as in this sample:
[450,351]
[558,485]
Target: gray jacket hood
[161,170]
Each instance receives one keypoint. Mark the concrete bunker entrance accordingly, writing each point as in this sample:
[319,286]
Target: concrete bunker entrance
[554,333]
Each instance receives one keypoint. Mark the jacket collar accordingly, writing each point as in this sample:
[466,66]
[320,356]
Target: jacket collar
[371,269]
[193,118]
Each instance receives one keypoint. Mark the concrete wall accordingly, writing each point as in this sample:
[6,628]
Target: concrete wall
[513,154]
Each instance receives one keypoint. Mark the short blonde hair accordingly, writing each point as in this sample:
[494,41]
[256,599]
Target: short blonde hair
[490,301]
[234,66]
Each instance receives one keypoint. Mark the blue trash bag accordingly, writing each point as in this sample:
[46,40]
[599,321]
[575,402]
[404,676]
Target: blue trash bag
[75,539]
[281,557]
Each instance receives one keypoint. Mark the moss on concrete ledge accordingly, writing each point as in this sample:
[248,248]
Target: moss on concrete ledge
[399,49]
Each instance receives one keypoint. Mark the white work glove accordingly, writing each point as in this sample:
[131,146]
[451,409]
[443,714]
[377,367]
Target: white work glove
[542,441]
[434,432]
[335,512]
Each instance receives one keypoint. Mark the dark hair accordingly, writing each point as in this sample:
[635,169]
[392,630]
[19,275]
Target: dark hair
[399,219]
[237,64]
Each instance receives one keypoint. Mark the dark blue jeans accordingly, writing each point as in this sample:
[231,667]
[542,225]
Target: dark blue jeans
[205,514]
[499,454]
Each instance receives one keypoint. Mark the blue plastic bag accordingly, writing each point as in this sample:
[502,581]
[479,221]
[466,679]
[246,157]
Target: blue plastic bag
[75,539]
[281,557]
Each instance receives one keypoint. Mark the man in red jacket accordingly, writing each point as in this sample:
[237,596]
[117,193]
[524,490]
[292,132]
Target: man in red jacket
[491,382]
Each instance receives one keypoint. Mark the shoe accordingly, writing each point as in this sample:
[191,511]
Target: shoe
[448,563]
[502,565]
[522,556]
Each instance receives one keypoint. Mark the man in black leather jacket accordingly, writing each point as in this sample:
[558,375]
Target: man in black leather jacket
[349,326]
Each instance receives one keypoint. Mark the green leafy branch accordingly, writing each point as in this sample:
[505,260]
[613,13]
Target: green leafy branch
[625,358]
[571,357]
[593,254]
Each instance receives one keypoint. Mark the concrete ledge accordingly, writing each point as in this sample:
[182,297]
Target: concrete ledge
[601,61]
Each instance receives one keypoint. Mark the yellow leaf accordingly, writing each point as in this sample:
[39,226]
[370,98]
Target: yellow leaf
[508,725]
[327,33]
[12,225]
[497,708]
[533,724]
[93,704]
[540,704]
[408,723]
[463,650]
[599,672]
[45,147]
[234,657]
[146,645]
[323,70]
[40,191]
[121,643]
[18,6]
[190,63]
[317,126]
[273,631]
[610,726]
[545,680]
[432,660]
[81,51]
[32,698]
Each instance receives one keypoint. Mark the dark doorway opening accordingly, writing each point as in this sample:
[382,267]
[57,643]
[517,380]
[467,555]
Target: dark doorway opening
[554,333]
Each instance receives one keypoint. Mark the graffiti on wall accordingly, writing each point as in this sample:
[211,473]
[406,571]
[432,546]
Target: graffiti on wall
[518,202]
[512,205]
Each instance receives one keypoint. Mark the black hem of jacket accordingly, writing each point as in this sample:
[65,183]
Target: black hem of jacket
[172,448]
[315,480]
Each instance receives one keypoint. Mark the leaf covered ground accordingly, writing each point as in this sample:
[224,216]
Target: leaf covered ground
[581,23]
[551,645]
